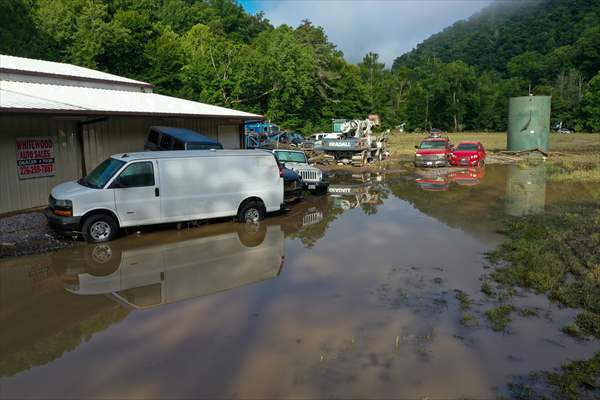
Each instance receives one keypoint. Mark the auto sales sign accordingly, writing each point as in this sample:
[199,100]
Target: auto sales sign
[35,157]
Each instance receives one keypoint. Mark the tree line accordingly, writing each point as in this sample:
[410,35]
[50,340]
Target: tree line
[213,51]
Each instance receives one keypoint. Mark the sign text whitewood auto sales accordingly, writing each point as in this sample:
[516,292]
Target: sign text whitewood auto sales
[35,157]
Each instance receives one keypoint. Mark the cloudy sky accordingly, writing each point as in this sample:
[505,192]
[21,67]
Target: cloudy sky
[387,27]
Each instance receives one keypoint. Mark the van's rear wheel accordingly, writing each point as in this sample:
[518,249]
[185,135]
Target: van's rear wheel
[99,228]
[251,211]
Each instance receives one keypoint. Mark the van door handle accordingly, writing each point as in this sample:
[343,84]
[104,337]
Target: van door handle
[156,192]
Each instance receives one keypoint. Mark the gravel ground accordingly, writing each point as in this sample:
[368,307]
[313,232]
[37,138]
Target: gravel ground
[24,234]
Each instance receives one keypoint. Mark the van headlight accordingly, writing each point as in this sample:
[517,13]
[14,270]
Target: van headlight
[63,203]
[418,155]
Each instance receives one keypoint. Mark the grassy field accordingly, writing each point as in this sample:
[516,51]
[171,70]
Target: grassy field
[573,157]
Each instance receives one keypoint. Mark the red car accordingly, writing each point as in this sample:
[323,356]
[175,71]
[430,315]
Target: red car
[433,152]
[468,154]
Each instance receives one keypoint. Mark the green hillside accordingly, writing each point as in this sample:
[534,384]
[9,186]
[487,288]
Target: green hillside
[559,31]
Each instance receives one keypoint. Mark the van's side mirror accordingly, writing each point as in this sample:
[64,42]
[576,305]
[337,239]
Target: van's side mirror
[416,146]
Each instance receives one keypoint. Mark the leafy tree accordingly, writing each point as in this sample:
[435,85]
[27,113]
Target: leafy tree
[373,74]
[591,104]
[164,57]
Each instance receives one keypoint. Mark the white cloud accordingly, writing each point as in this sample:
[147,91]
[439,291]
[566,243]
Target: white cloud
[387,27]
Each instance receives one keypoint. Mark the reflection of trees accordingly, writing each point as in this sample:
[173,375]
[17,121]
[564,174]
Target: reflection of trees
[41,328]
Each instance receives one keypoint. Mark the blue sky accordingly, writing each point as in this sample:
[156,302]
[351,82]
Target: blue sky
[387,27]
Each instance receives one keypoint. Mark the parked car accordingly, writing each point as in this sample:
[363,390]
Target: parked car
[433,152]
[435,133]
[468,154]
[169,138]
[293,187]
[138,189]
[313,178]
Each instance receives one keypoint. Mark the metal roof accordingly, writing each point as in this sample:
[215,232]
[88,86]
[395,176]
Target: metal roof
[153,155]
[184,134]
[31,97]
[69,71]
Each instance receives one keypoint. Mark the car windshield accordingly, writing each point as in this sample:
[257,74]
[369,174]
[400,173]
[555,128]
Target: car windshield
[433,144]
[291,156]
[467,147]
[101,174]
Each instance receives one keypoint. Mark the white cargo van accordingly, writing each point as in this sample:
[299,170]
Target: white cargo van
[138,189]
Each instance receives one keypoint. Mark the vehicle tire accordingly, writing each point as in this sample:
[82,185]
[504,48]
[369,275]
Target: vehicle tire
[99,228]
[251,211]
[252,234]
[481,163]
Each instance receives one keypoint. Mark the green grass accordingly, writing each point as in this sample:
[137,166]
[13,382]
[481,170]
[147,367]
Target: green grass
[572,381]
[499,317]
[469,321]
[576,378]
[584,167]
[556,253]
[463,299]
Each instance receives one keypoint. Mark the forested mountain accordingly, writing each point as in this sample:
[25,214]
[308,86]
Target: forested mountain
[213,51]
[550,46]
[561,30]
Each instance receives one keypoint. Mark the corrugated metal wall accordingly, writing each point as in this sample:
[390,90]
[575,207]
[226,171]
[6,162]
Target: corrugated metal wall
[100,140]
[126,134]
[16,194]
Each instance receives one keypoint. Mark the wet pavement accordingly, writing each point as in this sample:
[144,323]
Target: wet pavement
[346,295]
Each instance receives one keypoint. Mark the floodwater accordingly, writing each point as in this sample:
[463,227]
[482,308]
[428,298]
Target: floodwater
[347,295]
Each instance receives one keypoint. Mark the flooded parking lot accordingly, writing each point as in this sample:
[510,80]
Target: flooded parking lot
[352,294]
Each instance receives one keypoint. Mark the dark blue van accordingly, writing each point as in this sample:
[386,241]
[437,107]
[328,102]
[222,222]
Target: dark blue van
[169,138]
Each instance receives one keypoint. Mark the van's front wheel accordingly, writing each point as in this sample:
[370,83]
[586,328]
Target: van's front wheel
[251,211]
[99,228]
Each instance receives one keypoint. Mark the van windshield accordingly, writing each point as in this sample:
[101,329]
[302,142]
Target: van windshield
[101,174]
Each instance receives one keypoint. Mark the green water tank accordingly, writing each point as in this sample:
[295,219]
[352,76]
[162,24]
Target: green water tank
[528,123]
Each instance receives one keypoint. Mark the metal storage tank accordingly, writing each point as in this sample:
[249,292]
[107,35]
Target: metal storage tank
[528,123]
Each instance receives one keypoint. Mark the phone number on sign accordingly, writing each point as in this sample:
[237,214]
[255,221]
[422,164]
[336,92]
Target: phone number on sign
[36,169]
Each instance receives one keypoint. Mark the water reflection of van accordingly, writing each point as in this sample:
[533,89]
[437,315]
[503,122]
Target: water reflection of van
[147,276]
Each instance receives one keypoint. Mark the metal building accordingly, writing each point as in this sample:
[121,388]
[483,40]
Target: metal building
[58,121]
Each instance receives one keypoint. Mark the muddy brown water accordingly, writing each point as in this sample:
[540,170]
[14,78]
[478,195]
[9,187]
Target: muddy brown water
[347,295]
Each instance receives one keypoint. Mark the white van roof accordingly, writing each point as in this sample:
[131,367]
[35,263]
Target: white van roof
[154,155]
